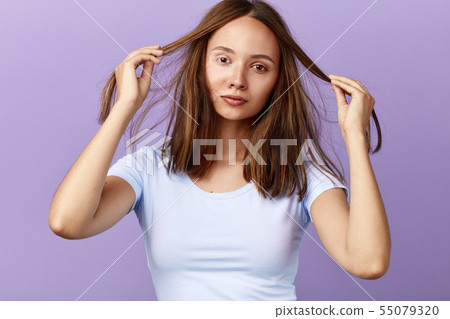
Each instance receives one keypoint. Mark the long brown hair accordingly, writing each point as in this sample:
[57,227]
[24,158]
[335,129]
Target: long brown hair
[290,112]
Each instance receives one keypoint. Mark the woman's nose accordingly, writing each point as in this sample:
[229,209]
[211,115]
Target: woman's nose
[238,80]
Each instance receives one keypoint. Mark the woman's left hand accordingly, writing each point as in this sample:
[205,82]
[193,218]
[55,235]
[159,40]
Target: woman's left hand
[354,117]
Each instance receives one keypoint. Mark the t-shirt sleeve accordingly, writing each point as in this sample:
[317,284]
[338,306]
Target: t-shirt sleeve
[318,182]
[132,168]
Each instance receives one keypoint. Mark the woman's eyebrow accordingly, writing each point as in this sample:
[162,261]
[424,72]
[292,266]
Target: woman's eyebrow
[255,56]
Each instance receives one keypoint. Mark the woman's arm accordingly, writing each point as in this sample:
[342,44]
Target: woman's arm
[77,197]
[368,238]
[84,204]
[356,236]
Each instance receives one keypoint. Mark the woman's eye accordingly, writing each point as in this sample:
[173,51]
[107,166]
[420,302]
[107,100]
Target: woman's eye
[264,68]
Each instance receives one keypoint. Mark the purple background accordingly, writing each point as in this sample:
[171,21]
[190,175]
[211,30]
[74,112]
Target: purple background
[54,63]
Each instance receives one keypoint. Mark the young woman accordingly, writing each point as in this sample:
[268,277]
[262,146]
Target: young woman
[229,227]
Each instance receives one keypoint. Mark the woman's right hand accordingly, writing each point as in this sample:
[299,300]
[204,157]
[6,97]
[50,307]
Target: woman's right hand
[131,89]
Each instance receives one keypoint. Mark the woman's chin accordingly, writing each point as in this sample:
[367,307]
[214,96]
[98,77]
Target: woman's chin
[233,115]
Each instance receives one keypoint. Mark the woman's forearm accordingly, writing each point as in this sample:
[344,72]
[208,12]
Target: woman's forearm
[77,197]
[368,237]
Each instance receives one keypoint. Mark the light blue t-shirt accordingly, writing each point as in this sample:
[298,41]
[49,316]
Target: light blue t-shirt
[217,246]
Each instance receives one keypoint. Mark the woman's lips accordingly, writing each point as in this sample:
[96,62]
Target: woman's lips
[233,101]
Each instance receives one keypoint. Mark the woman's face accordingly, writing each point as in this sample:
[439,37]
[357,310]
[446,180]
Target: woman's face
[242,59]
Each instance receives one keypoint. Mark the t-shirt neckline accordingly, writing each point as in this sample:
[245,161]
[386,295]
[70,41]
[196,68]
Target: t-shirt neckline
[209,195]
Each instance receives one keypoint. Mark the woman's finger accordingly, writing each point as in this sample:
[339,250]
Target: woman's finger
[362,86]
[349,81]
[148,68]
[155,52]
[149,47]
[340,96]
[347,87]
[138,60]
